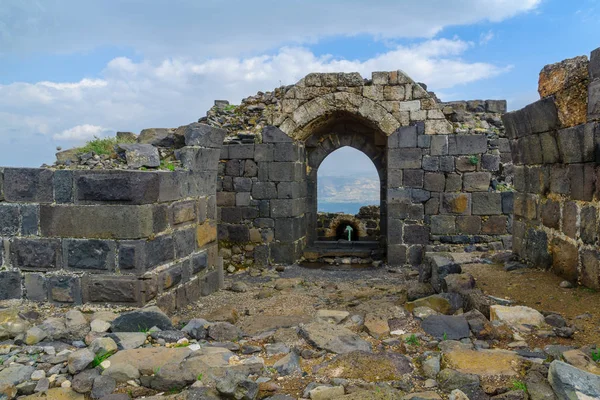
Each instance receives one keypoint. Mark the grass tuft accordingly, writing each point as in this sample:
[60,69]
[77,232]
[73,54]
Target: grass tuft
[99,359]
[596,355]
[519,385]
[413,340]
[103,146]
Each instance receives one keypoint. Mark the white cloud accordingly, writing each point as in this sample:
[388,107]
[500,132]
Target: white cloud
[181,28]
[485,37]
[80,133]
[135,95]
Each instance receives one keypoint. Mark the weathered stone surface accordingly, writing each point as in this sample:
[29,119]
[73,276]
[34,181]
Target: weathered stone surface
[450,380]
[435,302]
[365,366]
[97,222]
[140,155]
[36,254]
[569,382]
[224,331]
[484,363]
[28,185]
[334,316]
[516,316]
[162,137]
[565,258]
[142,319]
[148,359]
[128,340]
[122,372]
[57,394]
[559,76]
[326,392]
[84,381]
[103,386]
[447,327]
[332,338]
[288,365]
[79,360]
[16,374]
[579,359]
[198,134]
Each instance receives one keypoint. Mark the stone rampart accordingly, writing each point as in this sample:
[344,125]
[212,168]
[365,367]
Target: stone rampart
[124,237]
[555,146]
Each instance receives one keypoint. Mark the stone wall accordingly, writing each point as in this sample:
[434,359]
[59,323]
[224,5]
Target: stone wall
[261,198]
[365,223]
[555,146]
[444,168]
[126,237]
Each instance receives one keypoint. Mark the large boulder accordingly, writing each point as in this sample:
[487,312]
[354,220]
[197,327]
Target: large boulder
[16,374]
[517,316]
[333,338]
[140,155]
[148,359]
[141,321]
[79,360]
[435,302]
[572,383]
[446,327]
[484,363]
[162,137]
[366,366]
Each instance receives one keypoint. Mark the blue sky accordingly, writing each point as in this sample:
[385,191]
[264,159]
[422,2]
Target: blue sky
[72,69]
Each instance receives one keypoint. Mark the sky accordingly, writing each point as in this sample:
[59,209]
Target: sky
[74,69]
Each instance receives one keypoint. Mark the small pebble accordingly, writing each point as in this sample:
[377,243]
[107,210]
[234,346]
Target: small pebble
[566,285]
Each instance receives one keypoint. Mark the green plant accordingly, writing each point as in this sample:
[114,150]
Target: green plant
[412,340]
[230,107]
[519,385]
[199,377]
[503,187]
[143,330]
[103,146]
[596,355]
[99,359]
[445,336]
[473,160]
[156,370]
[164,164]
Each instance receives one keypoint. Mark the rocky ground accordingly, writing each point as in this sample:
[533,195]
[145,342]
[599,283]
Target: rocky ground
[353,333]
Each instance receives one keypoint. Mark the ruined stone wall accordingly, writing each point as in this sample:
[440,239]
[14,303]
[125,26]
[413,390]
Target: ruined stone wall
[127,237]
[261,198]
[366,222]
[444,168]
[555,149]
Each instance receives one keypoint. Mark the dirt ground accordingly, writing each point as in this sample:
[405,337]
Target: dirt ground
[540,290]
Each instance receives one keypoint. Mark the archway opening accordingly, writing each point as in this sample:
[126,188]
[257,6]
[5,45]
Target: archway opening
[347,230]
[348,186]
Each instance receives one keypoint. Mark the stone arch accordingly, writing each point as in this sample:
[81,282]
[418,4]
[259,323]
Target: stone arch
[396,118]
[337,227]
[389,100]
[330,133]
[301,122]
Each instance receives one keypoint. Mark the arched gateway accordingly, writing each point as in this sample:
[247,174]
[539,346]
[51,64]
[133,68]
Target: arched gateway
[269,189]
